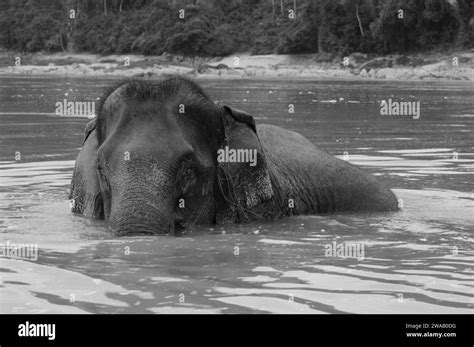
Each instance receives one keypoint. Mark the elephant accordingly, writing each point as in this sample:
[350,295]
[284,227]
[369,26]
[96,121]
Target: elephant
[161,156]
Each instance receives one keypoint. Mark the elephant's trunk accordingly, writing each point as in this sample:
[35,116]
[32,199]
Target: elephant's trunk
[137,198]
[143,213]
[138,219]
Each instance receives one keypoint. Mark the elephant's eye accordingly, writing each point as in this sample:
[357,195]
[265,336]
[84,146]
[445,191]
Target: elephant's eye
[189,178]
[100,169]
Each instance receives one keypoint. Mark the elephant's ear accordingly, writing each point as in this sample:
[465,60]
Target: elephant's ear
[89,128]
[85,190]
[242,176]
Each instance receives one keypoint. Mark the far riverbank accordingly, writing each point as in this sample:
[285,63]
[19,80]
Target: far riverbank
[432,66]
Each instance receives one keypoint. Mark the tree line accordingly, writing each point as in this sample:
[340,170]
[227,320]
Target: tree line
[223,27]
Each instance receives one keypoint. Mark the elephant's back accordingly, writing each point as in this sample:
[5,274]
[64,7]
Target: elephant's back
[287,147]
[285,140]
[324,183]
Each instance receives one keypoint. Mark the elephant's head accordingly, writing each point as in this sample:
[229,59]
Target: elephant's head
[162,153]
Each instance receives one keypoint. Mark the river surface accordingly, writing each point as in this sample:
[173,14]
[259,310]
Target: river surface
[418,260]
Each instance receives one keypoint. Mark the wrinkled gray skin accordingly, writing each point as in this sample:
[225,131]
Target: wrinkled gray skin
[142,159]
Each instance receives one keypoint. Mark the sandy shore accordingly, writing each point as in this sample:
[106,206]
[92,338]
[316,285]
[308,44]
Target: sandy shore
[436,66]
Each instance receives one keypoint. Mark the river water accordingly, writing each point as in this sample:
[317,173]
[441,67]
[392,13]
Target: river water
[418,260]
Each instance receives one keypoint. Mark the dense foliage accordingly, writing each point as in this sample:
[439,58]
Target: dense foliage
[222,27]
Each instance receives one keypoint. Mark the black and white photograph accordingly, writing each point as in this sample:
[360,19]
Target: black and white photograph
[237,157]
